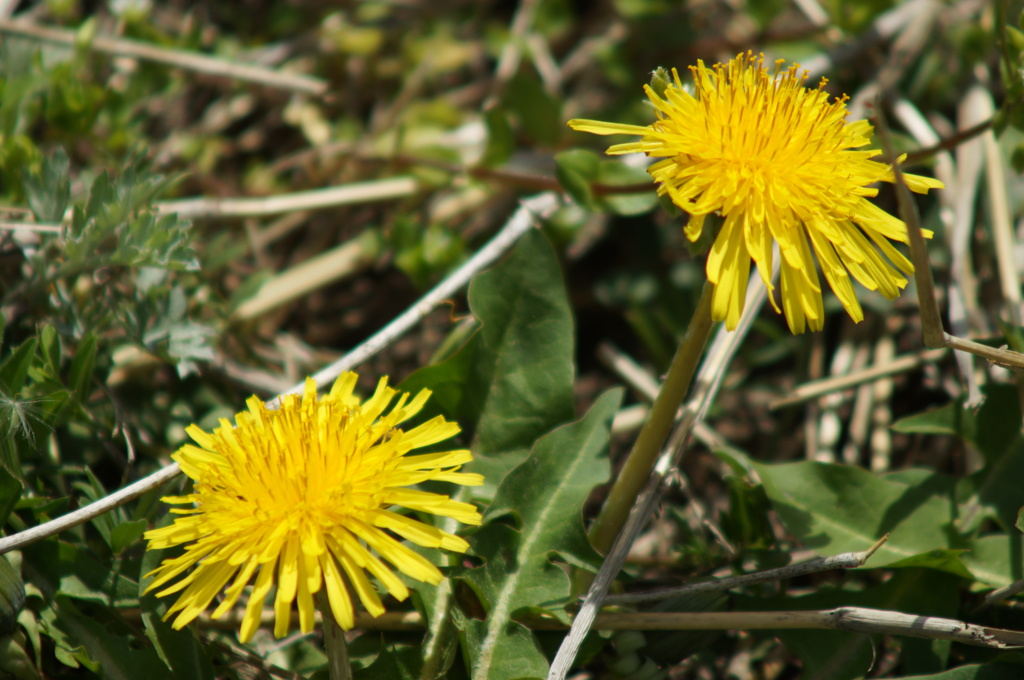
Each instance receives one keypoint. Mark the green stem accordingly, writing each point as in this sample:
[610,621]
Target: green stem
[652,437]
[334,641]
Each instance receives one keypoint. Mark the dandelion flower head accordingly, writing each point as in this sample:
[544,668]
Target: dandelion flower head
[304,498]
[777,161]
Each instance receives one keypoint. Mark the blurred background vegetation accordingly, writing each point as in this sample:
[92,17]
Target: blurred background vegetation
[138,296]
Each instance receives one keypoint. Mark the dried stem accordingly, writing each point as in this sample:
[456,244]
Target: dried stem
[818,388]
[190,61]
[850,619]
[314,199]
[843,561]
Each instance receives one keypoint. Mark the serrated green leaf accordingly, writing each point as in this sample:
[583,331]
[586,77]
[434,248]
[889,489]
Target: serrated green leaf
[840,508]
[545,495]
[30,626]
[119,225]
[49,191]
[67,651]
[518,656]
[576,171]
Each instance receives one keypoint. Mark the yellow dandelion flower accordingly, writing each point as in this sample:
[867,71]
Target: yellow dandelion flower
[778,162]
[303,498]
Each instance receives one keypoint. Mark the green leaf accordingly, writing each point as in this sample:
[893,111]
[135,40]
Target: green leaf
[48,192]
[540,114]
[996,560]
[392,664]
[515,655]
[10,493]
[500,141]
[747,520]
[617,173]
[950,561]
[989,671]
[180,651]
[952,418]
[67,651]
[12,596]
[115,653]
[661,78]
[80,376]
[14,369]
[993,492]
[1016,37]
[545,496]
[513,380]
[59,568]
[14,660]
[49,343]
[1017,161]
[839,508]
[119,225]
[126,533]
[576,171]
[994,427]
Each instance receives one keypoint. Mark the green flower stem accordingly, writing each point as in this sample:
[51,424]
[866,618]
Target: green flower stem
[334,641]
[652,437]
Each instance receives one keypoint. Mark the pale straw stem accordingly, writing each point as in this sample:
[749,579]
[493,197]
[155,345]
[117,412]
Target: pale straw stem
[189,61]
